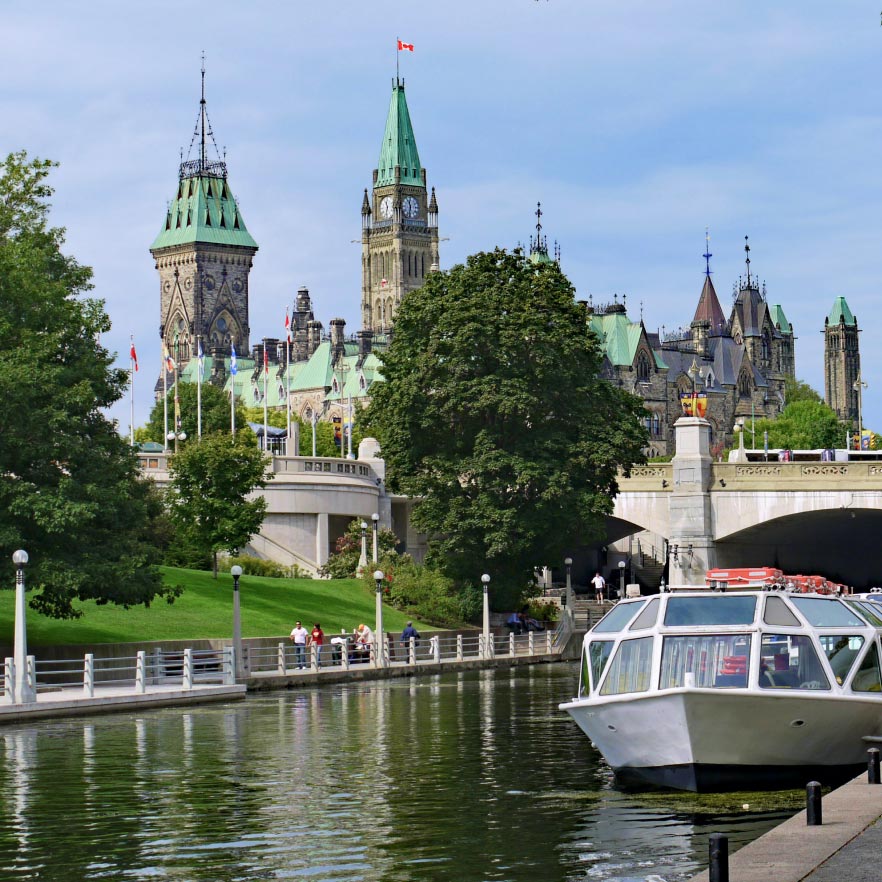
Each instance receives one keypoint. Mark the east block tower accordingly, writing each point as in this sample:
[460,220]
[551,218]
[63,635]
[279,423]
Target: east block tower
[203,255]
[842,361]
[399,222]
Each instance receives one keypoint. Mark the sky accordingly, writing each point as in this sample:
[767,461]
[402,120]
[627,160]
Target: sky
[638,125]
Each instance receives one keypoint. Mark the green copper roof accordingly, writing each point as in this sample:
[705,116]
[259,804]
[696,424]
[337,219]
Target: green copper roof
[399,145]
[619,337]
[203,210]
[841,313]
[779,320]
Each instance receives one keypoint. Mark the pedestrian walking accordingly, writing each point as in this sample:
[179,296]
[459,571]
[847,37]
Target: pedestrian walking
[298,638]
[599,584]
[317,637]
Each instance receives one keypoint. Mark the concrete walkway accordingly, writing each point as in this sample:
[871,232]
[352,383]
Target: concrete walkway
[845,848]
[68,702]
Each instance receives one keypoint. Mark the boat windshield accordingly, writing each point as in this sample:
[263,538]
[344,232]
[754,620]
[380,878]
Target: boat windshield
[841,651]
[867,610]
[618,617]
[709,661]
[593,664]
[867,678]
[822,612]
[710,609]
[630,667]
[790,661]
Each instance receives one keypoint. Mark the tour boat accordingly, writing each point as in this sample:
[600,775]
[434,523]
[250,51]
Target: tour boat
[716,690]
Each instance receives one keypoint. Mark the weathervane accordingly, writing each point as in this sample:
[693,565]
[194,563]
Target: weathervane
[707,253]
[747,252]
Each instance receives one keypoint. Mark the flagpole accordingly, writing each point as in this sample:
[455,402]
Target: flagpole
[200,370]
[288,394]
[265,418]
[177,408]
[164,400]
[132,391]
[397,53]
[233,390]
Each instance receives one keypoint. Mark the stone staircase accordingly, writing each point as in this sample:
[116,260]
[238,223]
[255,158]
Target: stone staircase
[647,567]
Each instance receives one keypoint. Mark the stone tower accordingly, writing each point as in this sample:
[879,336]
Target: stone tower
[203,255]
[399,222]
[842,361]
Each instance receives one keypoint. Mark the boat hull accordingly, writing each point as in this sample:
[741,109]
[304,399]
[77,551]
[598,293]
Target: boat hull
[714,739]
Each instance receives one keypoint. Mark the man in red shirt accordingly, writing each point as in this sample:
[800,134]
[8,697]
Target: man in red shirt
[317,636]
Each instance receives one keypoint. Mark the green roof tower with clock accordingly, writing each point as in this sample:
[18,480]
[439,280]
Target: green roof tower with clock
[203,255]
[399,222]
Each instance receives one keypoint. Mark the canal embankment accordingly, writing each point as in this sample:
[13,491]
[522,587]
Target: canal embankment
[844,847]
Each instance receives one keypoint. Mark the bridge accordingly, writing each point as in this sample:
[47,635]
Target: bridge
[823,517]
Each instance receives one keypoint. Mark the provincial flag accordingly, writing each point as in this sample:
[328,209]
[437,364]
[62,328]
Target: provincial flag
[233,359]
[200,355]
[287,325]
[169,361]
[405,47]
[133,355]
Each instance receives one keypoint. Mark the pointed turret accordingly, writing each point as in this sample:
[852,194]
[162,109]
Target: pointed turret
[203,254]
[399,158]
[709,310]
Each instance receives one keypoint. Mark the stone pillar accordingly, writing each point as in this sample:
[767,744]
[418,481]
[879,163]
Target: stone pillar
[321,539]
[690,506]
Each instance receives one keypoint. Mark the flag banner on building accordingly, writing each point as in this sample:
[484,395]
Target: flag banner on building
[694,403]
[133,355]
[169,361]
[405,47]
[200,355]
[338,430]
[287,325]
[265,361]
[866,439]
[233,359]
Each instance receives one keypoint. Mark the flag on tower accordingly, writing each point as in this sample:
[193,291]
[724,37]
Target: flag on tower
[233,359]
[287,325]
[405,47]
[133,355]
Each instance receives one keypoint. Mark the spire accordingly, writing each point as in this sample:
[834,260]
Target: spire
[399,158]
[539,244]
[707,253]
[841,313]
[204,208]
[747,259]
[709,312]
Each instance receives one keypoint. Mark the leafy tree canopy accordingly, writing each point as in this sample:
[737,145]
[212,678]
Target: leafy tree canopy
[215,412]
[796,390]
[493,415]
[70,492]
[208,485]
[804,424]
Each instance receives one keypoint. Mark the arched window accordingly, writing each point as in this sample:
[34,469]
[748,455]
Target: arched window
[643,368]
[744,385]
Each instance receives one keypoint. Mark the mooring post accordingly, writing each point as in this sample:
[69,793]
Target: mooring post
[188,669]
[813,814]
[280,659]
[141,671]
[89,675]
[873,766]
[459,655]
[9,679]
[718,853]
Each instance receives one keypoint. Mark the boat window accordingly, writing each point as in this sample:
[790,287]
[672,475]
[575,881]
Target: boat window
[841,651]
[630,668]
[618,617]
[598,656]
[647,618]
[790,661]
[710,609]
[714,661]
[778,613]
[823,613]
[584,678]
[867,610]
[867,678]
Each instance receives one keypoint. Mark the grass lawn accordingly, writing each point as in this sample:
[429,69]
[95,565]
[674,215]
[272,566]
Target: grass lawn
[205,609]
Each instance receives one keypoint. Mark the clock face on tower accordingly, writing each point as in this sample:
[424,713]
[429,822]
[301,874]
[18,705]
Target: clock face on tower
[411,207]
[386,207]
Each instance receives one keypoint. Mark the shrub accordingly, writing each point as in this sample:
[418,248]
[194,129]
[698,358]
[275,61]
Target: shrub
[343,563]
[255,566]
[543,611]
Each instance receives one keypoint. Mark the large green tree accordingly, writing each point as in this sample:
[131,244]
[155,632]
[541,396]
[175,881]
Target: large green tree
[805,424]
[494,416]
[70,492]
[215,412]
[209,484]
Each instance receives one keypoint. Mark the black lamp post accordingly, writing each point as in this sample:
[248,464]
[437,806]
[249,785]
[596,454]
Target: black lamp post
[568,595]
[621,580]
[375,521]
[236,572]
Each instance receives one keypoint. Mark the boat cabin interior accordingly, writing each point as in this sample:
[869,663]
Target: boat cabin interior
[773,641]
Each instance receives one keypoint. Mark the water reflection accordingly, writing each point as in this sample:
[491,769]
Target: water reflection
[471,776]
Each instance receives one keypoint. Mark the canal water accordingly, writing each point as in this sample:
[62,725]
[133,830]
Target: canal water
[452,778]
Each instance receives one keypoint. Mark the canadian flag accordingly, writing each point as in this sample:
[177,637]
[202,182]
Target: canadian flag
[134,355]
[265,361]
[405,47]
[287,325]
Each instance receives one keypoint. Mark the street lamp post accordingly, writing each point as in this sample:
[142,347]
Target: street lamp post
[859,386]
[488,648]
[621,580]
[178,434]
[24,690]
[375,521]
[568,597]
[739,428]
[236,571]
[362,558]
[379,640]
